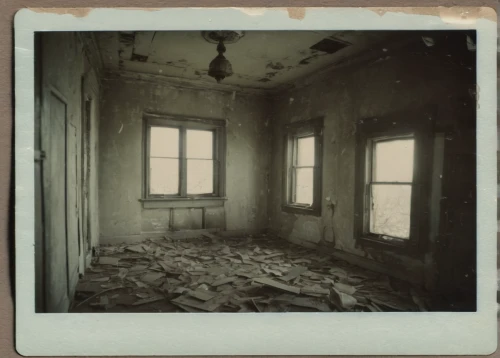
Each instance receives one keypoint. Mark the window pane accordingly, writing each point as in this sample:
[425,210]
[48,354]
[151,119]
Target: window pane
[304,186]
[305,151]
[390,210]
[164,142]
[393,161]
[199,144]
[200,176]
[164,176]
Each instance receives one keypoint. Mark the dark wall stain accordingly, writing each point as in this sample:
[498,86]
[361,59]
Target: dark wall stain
[197,73]
[127,39]
[264,80]
[139,58]
[182,61]
[275,66]
[307,60]
[329,46]
[271,74]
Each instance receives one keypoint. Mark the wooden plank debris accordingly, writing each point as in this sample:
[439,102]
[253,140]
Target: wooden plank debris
[136,248]
[342,287]
[255,305]
[137,282]
[152,277]
[310,303]
[293,273]
[223,281]
[187,308]
[100,279]
[148,300]
[105,260]
[301,261]
[201,295]
[341,299]
[338,272]
[210,236]
[243,256]
[122,273]
[314,291]
[278,285]
[138,268]
[208,306]
[276,254]
[274,272]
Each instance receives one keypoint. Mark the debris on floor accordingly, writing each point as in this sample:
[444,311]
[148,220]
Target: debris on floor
[213,274]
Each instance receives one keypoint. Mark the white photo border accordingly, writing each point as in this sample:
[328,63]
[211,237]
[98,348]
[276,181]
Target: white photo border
[420,333]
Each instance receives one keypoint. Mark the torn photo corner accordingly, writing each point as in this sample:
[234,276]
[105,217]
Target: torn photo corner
[321,174]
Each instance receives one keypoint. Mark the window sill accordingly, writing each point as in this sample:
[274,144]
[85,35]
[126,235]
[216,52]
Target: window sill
[303,210]
[194,202]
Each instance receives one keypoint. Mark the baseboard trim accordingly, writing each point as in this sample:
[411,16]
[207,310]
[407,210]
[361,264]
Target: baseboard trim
[177,235]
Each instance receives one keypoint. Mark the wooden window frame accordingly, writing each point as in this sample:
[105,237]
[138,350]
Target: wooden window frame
[294,131]
[418,125]
[217,126]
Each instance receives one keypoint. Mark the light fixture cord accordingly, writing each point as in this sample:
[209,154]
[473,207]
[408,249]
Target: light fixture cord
[221,48]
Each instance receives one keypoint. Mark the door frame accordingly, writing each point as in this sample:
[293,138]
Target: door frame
[89,98]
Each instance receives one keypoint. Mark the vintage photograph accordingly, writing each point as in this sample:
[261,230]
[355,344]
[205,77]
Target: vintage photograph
[255,171]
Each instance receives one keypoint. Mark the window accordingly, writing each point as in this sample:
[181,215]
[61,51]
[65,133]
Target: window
[184,158]
[390,187]
[394,164]
[302,173]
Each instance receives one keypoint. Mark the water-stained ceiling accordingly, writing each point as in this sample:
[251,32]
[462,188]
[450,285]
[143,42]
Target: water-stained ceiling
[260,59]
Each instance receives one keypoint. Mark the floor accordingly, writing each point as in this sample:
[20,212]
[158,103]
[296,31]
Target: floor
[252,274]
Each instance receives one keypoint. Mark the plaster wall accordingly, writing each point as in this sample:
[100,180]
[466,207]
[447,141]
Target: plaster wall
[343,97]
[122,215]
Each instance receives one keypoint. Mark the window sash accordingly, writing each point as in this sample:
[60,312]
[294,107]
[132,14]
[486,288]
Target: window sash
[182,191]
[294,131]
[295,166]
[419,123]
[369,174]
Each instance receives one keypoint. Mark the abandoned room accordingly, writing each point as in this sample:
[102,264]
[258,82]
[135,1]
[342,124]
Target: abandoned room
[255,171]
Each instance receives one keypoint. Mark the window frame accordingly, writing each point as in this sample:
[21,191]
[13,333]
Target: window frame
[217,126]
[294,131]
[418,125]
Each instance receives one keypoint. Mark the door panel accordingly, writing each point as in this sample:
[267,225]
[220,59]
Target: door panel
[56,257]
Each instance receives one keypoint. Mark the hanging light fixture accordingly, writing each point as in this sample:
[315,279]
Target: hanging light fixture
[220,67]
